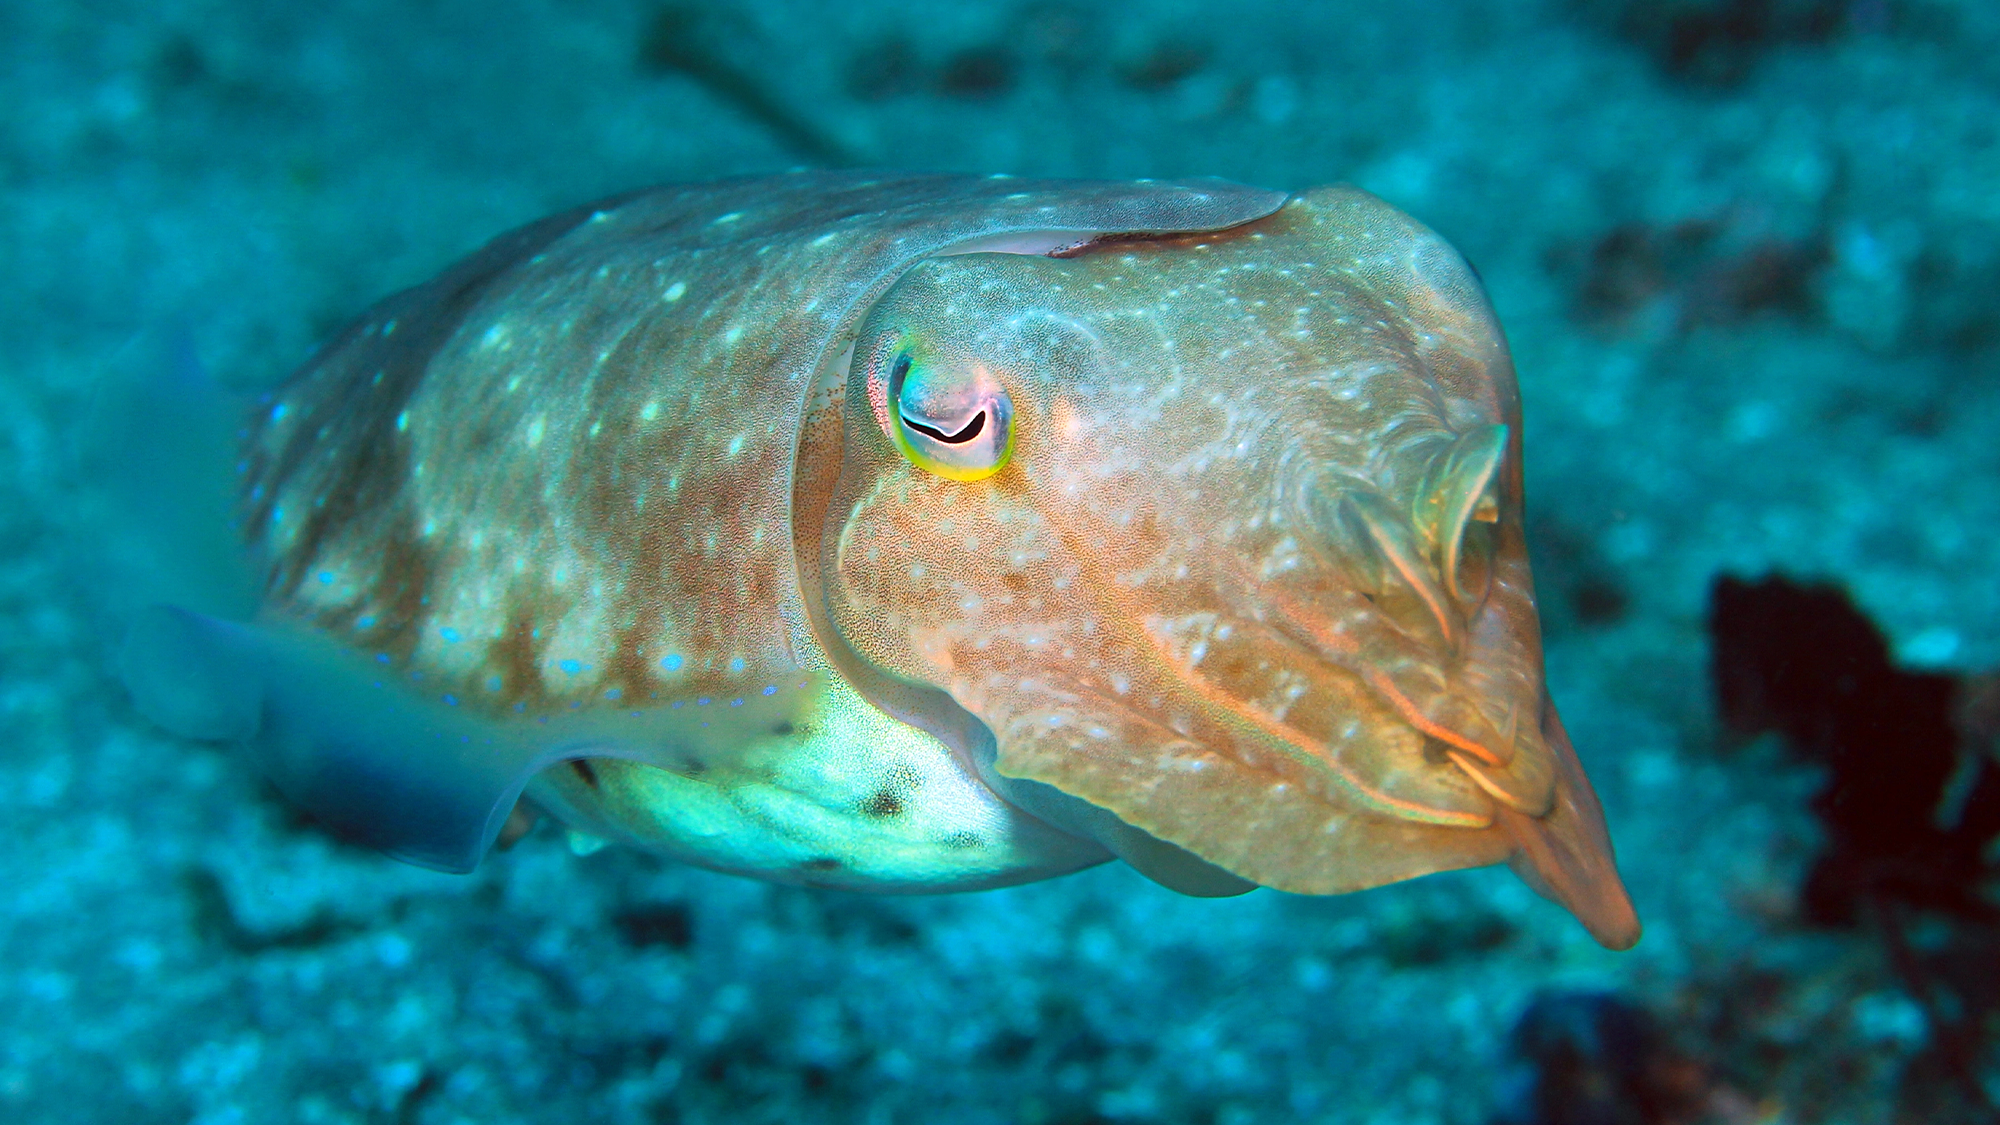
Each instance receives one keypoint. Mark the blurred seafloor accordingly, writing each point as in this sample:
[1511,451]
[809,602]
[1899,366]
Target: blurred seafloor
[1747,252]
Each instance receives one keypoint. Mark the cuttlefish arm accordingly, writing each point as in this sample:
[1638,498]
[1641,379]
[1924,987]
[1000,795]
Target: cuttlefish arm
[1566,854]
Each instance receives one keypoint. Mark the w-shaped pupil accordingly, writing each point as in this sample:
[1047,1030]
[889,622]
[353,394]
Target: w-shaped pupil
[971,430]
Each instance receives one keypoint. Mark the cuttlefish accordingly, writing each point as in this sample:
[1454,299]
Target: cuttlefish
[912,533]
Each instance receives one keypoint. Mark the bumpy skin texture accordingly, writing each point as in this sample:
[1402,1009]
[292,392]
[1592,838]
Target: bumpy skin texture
[1248,605]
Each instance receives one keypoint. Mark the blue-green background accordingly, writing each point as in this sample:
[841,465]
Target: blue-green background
[1752,281]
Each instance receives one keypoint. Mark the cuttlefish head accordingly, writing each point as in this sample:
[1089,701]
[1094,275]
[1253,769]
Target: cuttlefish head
[1221,536]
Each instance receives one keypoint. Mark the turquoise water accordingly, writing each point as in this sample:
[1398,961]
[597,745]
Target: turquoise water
[1747,256]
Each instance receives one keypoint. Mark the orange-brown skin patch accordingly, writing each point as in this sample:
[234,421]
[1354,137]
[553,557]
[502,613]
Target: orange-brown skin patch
[1209,593]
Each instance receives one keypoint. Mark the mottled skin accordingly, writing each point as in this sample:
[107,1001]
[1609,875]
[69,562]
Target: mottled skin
[1248,605]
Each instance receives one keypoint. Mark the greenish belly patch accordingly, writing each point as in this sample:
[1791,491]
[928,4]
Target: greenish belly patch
[835,795]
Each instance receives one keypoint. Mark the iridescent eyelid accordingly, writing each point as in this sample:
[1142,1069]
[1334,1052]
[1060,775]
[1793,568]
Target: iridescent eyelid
[973,453]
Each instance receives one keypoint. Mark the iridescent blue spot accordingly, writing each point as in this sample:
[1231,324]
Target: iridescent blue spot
[278,412]
[465,738]
[451,701]
[326,578]
[365,621]
[449,634]
[736,665]
[737,702]
[702,702]
[612,693]
[671,662]
[570,666]
[520,707]
[492,683]
[381,658]
[574,704]
[770,689]
[679,703]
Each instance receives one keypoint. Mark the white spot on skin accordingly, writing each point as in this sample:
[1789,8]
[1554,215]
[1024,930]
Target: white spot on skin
[674,292]
[403,422]
[649,411]
[536,429]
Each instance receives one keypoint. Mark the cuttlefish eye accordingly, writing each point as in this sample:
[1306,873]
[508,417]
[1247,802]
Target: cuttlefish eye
[952,419]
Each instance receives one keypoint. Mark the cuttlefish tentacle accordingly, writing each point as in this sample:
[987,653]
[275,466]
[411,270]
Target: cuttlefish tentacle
[1446,716]
[1281,735]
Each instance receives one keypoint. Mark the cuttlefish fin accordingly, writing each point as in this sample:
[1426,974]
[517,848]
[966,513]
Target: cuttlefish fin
[372,764]
[181,680]
[1566,855]
[158,445]
[1169,865]
[1172,866]
[376,763]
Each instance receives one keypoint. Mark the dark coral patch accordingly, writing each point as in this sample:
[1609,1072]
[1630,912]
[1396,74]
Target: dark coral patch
[1717,44]
[668,924]
[1908,814]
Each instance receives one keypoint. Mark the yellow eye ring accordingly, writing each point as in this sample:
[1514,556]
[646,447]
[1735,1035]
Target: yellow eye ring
[958,428]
